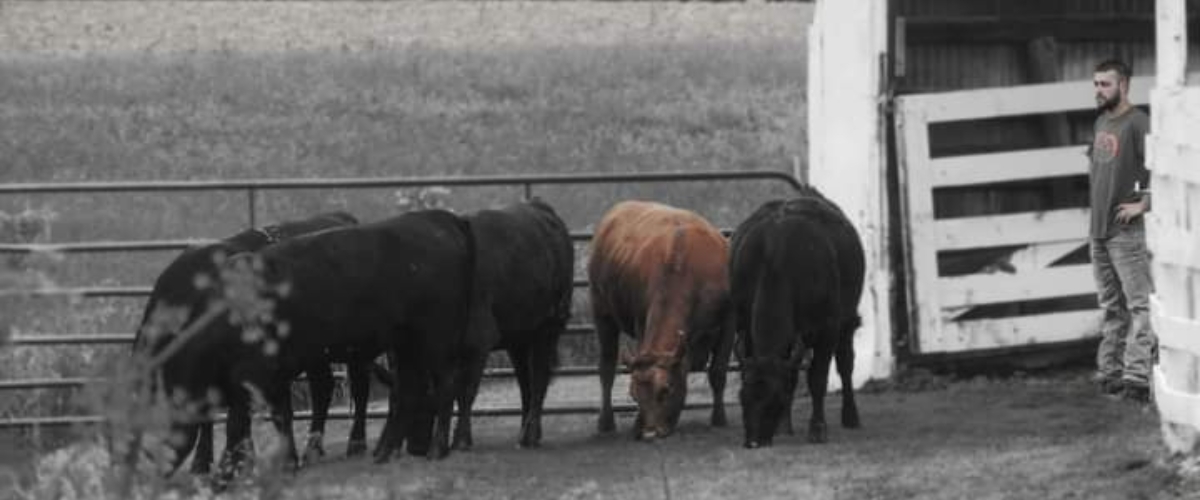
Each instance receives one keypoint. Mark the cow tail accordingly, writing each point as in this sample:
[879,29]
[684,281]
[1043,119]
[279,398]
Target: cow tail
[474,285]
[137,334]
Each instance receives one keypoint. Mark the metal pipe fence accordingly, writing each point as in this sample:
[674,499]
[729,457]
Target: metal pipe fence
[252,188]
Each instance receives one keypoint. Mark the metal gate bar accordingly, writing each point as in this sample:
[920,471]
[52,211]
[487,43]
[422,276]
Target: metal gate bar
[252,187]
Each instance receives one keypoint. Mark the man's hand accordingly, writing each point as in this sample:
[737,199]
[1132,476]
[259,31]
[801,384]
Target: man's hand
[1127,212]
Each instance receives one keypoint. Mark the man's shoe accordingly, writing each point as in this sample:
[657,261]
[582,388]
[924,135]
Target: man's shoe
[1111,386]
[1137,392]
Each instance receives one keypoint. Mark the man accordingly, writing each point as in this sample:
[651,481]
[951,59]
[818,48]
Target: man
[1119,197]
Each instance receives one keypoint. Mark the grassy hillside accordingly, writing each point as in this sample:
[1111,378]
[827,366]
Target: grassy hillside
[141,91]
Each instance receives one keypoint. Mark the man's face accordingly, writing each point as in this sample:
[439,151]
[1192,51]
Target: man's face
[1109,89]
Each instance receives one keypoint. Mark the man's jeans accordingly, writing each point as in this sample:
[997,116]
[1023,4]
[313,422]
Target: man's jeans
[1122,269]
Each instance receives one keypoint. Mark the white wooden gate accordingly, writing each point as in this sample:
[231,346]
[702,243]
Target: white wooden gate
[938,303]
[1173,234]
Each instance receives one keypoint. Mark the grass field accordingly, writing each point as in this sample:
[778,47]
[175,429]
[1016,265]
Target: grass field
[144,91]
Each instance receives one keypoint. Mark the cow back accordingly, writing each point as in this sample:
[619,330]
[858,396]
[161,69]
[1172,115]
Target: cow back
[646,254]
[526,260]
[189,282]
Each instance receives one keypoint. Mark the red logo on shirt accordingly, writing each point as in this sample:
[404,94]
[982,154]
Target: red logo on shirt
[1106,146]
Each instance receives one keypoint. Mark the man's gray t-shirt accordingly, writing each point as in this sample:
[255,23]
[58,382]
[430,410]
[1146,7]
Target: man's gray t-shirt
[1118,160]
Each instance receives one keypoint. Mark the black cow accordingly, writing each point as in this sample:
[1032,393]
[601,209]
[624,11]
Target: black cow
[404,285]
[526,263]
[186,288]
[797,268]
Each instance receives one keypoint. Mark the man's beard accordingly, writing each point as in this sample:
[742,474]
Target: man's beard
[1108,104]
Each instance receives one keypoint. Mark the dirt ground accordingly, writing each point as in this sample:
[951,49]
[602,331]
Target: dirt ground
[1044,436]
[1026,437]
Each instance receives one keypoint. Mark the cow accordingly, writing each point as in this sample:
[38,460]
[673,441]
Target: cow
[526,262]
[187,286]
[403,286]
[660,274]
[797,268]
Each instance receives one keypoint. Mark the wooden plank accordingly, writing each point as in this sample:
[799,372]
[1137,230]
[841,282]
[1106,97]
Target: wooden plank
[900,48]
[978,289]
[1030,258]
[1010,166]
[1175,406]
[1173,160]
[1041,255]
[1021,29]
[917,188]
[1171,22]
[1171,244]
[1179,127]
[1018,100]
[1020,330]
[962,233]
[1044,67]
[1175,332]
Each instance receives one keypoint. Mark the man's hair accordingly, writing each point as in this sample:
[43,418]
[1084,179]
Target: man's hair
[1117,65]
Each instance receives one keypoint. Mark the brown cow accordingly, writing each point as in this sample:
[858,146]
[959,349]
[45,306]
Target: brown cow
[660,274]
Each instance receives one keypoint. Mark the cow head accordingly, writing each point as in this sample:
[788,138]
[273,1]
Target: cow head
[658,383]
[767,381]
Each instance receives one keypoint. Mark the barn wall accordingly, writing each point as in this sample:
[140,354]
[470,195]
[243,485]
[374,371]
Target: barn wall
[947,45]
[846,155]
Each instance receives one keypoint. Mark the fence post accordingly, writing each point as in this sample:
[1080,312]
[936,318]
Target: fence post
[1172,235]
[252,203]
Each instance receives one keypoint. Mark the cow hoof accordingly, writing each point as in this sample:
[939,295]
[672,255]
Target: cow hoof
[382,453]
[851,421]
[355,448]
[718,419]
[607,424]
[751,445]
[463,442]
[528,442]
[201,469]
[437,453]
[531,435]
[311,455]
[817,433]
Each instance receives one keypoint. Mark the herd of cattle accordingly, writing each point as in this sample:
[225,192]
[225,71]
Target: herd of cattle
[436,292]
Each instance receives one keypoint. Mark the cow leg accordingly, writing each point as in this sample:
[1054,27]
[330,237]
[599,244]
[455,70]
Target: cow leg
[320,388]
[360,388]
[203,459]
[280,400]
[607,333]
[183,438]
[468,388]
[238,452]
[789,397]
[401,406]
[818,380]
[519,357]
[845,368]
[543,357]
[718,368]
[443,397]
